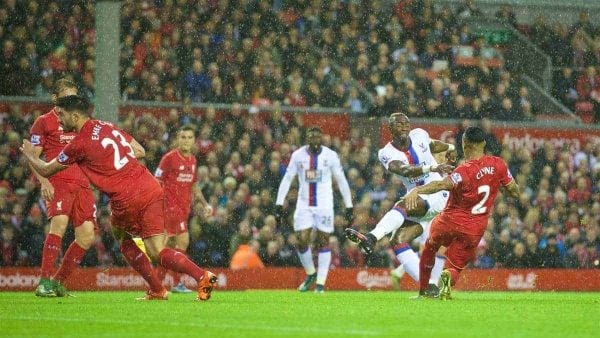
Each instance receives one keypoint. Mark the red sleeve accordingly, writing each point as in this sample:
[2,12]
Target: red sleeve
[37,133]
[74,152]
[162,167]
[504,173]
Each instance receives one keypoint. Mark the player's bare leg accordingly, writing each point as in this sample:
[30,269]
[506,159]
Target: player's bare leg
[306,258]
[179,242]
[389,223]
[323,260]
[174,260]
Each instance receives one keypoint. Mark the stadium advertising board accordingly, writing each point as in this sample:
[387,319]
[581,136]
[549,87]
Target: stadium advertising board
[515,137]
[26,279]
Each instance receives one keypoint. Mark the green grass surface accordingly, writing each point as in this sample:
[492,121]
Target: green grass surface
[291,314]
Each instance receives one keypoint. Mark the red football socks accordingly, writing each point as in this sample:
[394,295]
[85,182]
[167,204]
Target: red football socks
[140,263]
[161,273]
[70,262]
[426,265]
[176,261]
[50,253]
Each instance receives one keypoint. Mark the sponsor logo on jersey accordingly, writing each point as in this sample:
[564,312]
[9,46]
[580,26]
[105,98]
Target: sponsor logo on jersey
[181,167]
[184,177]
[66,138]
[158,172]
[35,140]
[59,206]
[312,175]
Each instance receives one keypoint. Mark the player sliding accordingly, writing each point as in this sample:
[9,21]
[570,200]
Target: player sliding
[473,188]
[315,166]
[177,173]
[108,157]
[409,155]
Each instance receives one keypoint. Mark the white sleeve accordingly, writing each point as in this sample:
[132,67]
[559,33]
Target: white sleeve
[422,134]
[286,181]
[386,157]
[340,178]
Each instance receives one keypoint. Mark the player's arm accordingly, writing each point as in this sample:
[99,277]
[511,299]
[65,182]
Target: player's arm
[47,190]
[284,186]
[407,170]
[512,189]
[43,168]
[437,146]
[138,150]
[200,197]
[410,200]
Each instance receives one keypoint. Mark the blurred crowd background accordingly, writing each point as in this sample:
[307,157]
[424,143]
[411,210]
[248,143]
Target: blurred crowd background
[345,54]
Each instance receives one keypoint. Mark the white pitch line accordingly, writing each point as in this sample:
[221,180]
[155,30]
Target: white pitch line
[207,325]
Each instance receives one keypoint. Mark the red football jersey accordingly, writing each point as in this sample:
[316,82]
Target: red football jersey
[178,175]
[104,154]
[47,133]
[476,184]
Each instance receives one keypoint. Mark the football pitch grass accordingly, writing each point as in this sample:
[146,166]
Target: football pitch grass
[292,314]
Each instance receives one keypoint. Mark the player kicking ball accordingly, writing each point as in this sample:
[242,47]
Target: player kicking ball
[410,156]
[473,187]
[177,174]
[108,157]
[315,165]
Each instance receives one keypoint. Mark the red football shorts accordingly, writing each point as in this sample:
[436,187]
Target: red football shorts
[74,201]
[176,221]
[143,217]
[460,246]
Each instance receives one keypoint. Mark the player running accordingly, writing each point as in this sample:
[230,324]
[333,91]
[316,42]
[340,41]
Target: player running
[409,155]
[68,197]
[108,157]
[315,165]
[177,173]
[473,188]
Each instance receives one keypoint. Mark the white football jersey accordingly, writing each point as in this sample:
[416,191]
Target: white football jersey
[418,154]
[315,173]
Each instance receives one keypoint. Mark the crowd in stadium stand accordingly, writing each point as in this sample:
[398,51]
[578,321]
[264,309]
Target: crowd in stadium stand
[575,52]
[41,41]
[360,56]
[329,54]
[555,222]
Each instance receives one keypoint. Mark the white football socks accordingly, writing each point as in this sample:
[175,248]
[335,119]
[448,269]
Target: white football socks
[306,258]
[391,221]
[323,263]
[438,267]
[410,260]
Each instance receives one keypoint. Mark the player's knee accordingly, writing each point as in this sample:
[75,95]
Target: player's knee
[58,225]
[85,241]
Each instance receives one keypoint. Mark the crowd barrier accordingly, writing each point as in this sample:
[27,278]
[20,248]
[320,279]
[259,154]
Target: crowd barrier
[114,279]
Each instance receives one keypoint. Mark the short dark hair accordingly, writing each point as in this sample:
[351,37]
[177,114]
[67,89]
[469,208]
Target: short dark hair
[74,103]
[62,84]
[474,135]
[314,129]
[187,127]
